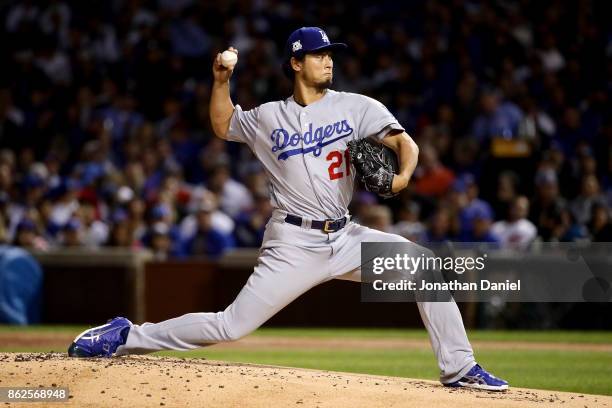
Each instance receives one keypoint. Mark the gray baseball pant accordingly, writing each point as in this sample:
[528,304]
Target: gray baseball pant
[292,260]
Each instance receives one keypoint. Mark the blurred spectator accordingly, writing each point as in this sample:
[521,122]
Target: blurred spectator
[22,14]
[469,205]
[516,232]
[164,214]
[95,232]
[6,178]
[555,159]
[256,182]
[53,62]
[590,195]
[536,125]
[187,35]
[408,224]
[432,178]
[250,225]
[601,224]
[136,219]
[219,220]
[50,228]
[481,218]
[67,204]
[72,233]
[120,233]
[108,104]
[548,206]
[552,59]
[498,118]
[27,236]
[34,189]
[212,155]
[377,217]
[570,230]
[3,232]
[465,156]
[507,186]
[439,227]
[101,43]
[121,118]
[570,133]
[160,242]
[207,241]
[362,200]
[233,196]
[11,121]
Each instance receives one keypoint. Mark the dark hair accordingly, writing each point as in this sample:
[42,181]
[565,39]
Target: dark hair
[287,70]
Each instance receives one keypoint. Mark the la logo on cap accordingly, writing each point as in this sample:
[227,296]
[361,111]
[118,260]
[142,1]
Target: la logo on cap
[296,46]
[324,36]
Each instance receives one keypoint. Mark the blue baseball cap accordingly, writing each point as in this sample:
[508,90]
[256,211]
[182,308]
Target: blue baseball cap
[309,39]
[26,225]
[160,211]
[481,211]
[461,183]
[119,215]
[72,225]
[33,181]
[546,177]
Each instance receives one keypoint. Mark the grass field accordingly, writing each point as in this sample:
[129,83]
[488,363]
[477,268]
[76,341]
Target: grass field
[587,370]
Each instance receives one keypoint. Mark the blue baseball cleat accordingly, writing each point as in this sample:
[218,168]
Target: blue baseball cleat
[101,341]
[479,378]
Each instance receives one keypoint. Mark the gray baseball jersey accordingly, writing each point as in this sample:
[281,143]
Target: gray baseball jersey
[303,148]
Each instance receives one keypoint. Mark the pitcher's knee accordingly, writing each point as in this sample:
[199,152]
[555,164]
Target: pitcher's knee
[236,333]
[235,330]
[231,336]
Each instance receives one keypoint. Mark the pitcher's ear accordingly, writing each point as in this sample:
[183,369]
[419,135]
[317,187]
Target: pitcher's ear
[296,64]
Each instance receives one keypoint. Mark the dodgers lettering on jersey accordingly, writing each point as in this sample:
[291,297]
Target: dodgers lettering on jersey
[312,141]
[303,148]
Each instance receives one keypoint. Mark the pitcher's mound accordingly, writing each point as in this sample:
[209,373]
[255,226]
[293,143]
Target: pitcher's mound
[173,382]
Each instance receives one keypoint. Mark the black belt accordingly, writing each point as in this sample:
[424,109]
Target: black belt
[327,226]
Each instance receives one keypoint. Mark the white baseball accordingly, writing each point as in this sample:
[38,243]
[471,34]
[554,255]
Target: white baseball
[229,59]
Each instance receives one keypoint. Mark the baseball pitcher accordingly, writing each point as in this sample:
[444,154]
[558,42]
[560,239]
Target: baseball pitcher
[306,143]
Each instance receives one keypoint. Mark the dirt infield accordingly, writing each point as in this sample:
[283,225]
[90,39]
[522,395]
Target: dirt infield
[160,381]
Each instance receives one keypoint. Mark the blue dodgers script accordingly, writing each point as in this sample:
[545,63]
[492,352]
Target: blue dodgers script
[314,140]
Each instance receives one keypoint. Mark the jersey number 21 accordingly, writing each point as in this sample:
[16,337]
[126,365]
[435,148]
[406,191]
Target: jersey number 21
[336,158]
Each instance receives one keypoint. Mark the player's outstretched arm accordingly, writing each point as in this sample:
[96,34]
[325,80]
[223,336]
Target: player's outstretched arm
[407,153]
[221,106]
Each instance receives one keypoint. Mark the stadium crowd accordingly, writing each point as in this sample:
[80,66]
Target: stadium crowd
[105,138]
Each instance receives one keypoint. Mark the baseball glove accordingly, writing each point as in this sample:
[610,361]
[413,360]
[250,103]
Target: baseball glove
[376,164]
